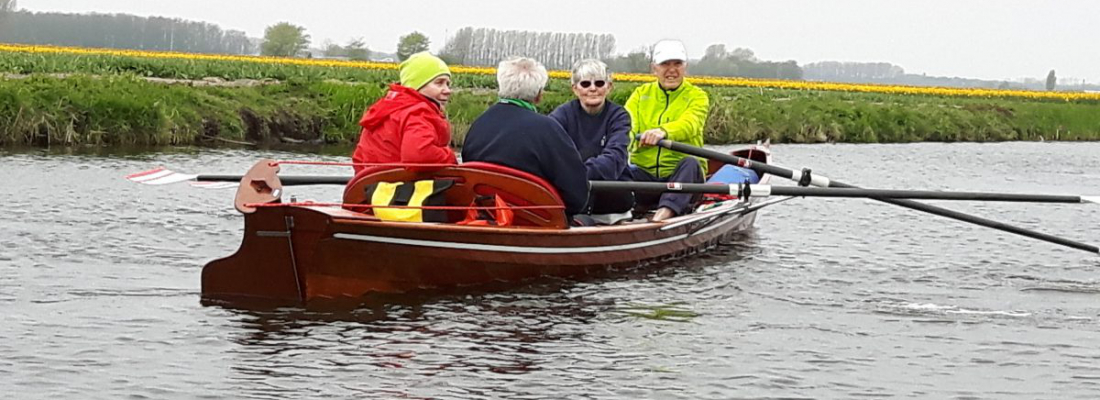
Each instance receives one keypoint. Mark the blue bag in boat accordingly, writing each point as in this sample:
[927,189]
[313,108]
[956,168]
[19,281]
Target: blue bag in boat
[732,174]
[728,175]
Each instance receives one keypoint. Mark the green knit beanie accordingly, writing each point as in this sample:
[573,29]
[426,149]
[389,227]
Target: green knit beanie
[420,69]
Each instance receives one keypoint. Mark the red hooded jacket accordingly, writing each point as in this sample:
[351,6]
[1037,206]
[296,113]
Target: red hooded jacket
[404,127]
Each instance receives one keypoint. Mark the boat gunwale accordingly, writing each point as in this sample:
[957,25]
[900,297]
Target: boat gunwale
[348,218]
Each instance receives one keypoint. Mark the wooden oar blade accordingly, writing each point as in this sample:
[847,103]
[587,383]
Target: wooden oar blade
[1090,199]
[159,176]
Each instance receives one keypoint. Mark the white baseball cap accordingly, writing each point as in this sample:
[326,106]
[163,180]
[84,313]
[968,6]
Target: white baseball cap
[669,50]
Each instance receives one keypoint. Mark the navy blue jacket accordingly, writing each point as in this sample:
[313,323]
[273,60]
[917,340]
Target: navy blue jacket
[516,137]
[601,139]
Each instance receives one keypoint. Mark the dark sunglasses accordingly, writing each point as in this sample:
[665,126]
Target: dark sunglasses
[586,84]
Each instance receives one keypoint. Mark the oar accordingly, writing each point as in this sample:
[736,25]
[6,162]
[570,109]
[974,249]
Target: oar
[821,181]
[741,190]
[161,176]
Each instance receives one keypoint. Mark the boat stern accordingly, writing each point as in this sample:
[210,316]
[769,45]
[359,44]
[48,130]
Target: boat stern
[264,268]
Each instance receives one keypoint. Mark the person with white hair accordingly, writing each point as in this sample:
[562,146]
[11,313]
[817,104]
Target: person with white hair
[601,131]
[674,109]
[512,133]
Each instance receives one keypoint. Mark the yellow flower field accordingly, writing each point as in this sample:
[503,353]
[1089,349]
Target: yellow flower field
[458,69]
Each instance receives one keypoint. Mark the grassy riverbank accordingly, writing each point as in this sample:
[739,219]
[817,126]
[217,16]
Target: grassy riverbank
[67,99]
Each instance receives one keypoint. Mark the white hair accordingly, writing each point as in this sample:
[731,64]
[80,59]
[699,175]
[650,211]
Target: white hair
[521,78]
[590,69]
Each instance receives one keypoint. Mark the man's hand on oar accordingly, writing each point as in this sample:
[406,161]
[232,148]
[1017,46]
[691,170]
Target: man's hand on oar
[743,191]
[805,178]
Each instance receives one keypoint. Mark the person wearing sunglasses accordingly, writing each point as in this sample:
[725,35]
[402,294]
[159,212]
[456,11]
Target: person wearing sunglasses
[670,108]
[600,129]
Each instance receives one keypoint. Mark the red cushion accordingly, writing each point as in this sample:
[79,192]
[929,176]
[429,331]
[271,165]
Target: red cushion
[514,172]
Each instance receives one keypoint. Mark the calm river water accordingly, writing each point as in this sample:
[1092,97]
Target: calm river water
[99,296]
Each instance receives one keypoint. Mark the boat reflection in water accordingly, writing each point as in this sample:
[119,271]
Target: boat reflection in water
[380,343]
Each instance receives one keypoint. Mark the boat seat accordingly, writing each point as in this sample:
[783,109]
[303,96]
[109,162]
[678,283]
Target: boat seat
[471,180]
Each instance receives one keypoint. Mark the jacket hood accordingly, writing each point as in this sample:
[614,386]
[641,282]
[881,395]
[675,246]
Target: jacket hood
[396,99]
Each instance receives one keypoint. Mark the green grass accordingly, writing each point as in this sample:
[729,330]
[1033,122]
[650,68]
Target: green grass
[78,99]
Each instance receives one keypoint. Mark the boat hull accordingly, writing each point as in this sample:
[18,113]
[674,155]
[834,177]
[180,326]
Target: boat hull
[298,254]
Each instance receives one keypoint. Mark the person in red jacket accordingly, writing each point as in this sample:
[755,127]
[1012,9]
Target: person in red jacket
[408,125]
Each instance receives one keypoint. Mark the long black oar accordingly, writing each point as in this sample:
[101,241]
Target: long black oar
[161,176]
[741,190]
[821,181]
[286,180]
[166,176]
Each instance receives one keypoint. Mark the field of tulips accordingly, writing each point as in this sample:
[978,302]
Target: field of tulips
[60,95]
[53,59]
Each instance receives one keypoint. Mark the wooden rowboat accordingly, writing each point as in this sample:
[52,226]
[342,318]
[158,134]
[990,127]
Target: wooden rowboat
[298,253]
[301,252]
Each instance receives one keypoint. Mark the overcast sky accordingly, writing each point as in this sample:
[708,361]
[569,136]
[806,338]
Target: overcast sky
[987,39]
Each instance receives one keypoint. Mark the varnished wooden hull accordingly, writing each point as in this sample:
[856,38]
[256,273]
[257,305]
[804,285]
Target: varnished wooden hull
[300,254]
[324,254]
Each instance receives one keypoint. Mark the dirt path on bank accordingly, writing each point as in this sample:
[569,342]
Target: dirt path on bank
[207,82]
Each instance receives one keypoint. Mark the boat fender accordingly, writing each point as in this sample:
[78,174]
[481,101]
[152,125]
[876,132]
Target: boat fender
[411,194]
[501,216]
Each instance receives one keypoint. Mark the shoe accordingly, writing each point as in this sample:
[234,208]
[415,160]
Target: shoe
[662,214]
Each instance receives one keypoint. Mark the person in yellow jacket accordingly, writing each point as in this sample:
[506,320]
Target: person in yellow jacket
[670,108]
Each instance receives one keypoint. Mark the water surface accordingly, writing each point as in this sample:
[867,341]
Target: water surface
[99,293]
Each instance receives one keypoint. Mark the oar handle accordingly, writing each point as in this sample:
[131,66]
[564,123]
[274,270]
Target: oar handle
[803,176]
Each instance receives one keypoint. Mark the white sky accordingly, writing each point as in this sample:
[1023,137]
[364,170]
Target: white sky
[987,39]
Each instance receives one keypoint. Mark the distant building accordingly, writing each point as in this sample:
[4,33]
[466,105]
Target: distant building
[383,57]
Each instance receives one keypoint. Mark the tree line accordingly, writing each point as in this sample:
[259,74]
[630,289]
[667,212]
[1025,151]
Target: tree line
[555,50]
[890,74]
[120,31]
[863,72]
[716,61]
[486,47]
[468,46]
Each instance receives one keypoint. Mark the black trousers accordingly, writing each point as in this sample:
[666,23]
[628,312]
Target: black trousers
[687,171]
[610,202]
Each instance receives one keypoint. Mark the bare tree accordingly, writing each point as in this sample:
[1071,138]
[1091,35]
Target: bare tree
[483,46]
[6,8]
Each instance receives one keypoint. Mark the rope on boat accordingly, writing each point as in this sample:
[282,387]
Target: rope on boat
[445,208]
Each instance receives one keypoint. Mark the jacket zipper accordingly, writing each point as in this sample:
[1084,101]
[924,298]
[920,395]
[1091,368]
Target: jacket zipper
[659,118]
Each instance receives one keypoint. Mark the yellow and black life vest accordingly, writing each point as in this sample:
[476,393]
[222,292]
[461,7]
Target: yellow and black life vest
[413,194]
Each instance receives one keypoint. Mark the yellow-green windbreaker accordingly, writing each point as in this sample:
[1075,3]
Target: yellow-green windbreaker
[681,113]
